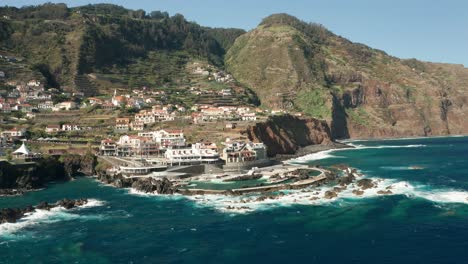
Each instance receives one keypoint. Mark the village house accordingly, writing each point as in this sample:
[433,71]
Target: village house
[248,117]
[69,105]
[70,127]
[12,134]
[243,109]
[210,114]
[95,101]
[163,115]
[166,138]
[52,129]
[137,126]
[198,153]
[30,115]
[145,117]
[225,92]
[108,106]
[47,105]
[26,108]
[201,71]
[231,125]
[130,145]
[13,94]
[108,147]
[5,107]
[122,124]
[197,117]
[243,151]
[34,83]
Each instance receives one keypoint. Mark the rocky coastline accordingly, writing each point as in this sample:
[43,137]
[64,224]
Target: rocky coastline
[17,178]
[12,215]
[287,134]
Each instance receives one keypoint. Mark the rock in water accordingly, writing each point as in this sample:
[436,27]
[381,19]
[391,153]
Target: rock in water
[385,192]
[68,204]
[358,192]
[43,206]
[12,215]
[365,184]
[330,194]
[150,185]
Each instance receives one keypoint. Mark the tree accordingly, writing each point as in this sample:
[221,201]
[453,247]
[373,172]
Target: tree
[8,155]
[159,15]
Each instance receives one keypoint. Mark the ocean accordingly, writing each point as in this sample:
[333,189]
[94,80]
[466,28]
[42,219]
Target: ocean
[424,220]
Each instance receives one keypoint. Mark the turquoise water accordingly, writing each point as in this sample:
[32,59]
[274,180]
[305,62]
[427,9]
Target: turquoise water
[220,185]
[426,221]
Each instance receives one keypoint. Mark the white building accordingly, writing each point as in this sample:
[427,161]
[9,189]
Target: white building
[129,145]
[145,117]
[166,138]
[137,126]
[70,127]
[122,124]
[249,117]
[14,133]
[108,147]
[34,83]
[52,129]
[198,153]
[64,106]
[47,105]
[163,115]
[243,151]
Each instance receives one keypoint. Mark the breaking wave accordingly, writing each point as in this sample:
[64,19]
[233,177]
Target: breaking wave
[56,214]
[328,153]
[315,196]
[386,146]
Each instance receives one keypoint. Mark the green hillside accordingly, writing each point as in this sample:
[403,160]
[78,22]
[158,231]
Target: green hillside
[361,91]
[130,46]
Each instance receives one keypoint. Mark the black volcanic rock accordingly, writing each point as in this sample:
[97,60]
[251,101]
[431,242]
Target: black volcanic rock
[365,184]
[12,215]
[150,185]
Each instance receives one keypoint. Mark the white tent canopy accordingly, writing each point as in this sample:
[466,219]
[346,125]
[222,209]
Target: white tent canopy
[22,150]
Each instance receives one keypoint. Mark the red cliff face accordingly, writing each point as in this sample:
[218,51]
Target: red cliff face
[381,110]
[286,134]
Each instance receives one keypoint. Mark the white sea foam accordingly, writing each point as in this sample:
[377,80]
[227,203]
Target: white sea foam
[53,215]
[93,203]
[328,153]
[397,139]
[143,194]
[315,196]
[316,156]
[357,146]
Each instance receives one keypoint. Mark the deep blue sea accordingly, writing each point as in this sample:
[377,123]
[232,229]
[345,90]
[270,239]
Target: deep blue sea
[425,220]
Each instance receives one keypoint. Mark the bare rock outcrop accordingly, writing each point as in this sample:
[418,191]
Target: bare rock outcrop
[286,134]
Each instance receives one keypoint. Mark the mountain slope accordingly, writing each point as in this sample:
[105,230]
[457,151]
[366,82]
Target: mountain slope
[129,46]
[360,91]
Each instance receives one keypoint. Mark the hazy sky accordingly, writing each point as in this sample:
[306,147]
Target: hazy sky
[429,30]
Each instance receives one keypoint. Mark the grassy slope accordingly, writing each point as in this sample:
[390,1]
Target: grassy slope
[289,68]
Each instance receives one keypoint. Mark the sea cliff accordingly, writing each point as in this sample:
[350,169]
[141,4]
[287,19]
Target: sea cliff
[18,177]
[287,134]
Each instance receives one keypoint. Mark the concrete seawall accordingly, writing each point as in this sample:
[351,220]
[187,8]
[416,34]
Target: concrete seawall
[259,189]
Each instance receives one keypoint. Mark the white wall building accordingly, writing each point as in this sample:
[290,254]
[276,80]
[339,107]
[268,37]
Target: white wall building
[198,153]
[166,138]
